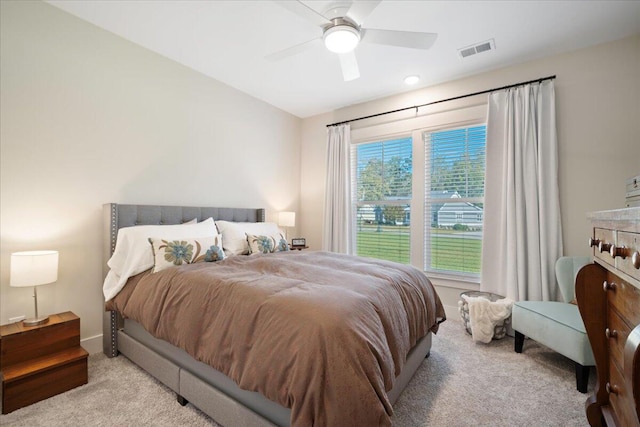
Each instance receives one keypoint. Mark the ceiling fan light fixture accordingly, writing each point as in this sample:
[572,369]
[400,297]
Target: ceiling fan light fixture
[341,38]
[411,80]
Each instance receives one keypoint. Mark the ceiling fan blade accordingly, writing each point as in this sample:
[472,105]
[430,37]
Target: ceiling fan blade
[293,50]
[359,10]
[411,39]
[349,65]
[304,11]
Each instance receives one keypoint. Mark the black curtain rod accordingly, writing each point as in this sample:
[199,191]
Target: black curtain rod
[444,100]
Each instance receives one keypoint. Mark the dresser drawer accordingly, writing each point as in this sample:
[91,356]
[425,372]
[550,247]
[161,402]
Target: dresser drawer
[617,332]
[631,243]
[606,238]
[621,399]
[625,298]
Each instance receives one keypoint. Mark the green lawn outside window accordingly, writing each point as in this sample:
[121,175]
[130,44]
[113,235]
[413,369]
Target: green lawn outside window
[447,253]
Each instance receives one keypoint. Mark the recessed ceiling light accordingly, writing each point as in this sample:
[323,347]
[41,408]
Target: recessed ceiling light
[411,80]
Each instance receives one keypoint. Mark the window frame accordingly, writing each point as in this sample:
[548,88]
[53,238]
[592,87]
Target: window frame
[469,112]
[447,274]
[355,203]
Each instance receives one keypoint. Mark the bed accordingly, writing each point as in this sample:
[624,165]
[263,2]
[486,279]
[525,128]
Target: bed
[275,399]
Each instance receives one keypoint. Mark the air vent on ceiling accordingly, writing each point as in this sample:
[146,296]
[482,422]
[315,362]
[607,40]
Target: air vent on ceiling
[477,48]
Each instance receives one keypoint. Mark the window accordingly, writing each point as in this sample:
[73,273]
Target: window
[454,200]
[417,197]
[382,180]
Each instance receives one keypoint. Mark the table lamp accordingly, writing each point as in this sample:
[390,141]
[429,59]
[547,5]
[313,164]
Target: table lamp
[286,219]
[34,268]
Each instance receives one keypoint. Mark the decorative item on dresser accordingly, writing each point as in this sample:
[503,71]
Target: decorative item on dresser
[37,362]
[608,294]
[632,198]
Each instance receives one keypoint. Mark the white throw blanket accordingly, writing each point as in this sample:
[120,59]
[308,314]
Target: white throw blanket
[484,315]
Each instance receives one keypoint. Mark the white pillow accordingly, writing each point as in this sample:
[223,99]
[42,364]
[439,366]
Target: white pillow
[234,234]
[133,253]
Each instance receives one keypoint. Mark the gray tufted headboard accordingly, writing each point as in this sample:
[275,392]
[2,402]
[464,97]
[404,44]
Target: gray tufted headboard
[119,216]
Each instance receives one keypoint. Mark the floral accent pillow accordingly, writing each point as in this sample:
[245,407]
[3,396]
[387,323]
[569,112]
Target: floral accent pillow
[170,253]
[234,234]
[266,244]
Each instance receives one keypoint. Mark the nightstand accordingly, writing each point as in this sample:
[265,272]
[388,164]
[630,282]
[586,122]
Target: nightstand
[37,362]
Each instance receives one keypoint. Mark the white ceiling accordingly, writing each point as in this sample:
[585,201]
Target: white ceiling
[228,41]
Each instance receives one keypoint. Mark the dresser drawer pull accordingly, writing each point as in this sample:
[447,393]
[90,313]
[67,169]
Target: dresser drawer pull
[616,251]
[612,389]
[608,286]
[593,242]
[635,260]
[611,333]
[604,247]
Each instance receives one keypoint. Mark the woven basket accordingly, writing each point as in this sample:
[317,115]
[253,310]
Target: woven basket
[501,328]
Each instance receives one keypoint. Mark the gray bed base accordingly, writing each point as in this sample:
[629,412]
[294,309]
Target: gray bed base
[206,388]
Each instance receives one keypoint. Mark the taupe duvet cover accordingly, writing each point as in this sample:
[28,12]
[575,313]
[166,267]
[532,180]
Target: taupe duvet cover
[321,333]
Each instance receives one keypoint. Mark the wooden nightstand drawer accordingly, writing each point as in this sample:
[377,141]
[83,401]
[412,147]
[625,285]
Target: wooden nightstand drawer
[40,361]
[33,342]
[30,389]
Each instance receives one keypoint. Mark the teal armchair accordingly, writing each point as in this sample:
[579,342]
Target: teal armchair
[558,325]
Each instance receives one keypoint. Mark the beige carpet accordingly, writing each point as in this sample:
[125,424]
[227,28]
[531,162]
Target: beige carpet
[461,384]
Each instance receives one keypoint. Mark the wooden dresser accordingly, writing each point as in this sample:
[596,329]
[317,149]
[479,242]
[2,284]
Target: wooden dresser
[608,294]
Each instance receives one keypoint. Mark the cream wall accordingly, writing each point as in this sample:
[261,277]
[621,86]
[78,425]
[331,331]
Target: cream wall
[598,114]
[88,118]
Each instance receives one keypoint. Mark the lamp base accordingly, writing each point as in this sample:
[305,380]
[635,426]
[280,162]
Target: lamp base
[33,321]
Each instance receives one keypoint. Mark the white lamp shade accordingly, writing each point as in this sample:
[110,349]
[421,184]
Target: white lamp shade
[33,268]
[287,219]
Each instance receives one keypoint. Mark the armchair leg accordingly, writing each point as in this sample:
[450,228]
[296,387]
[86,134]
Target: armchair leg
[519,342]
[582,377]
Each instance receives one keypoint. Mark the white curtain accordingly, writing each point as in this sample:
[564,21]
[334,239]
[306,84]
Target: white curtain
[522,226]
[337,202]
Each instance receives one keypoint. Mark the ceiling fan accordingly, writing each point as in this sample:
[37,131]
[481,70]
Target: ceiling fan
[342,31]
